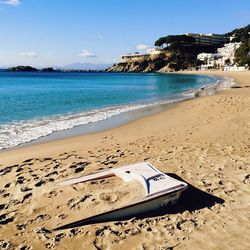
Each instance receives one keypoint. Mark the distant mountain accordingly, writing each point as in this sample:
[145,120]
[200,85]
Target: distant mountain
[86,66]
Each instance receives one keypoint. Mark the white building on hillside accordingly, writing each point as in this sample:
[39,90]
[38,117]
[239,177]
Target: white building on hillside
[137,57]
[223,57]
[134,57]
[207,57]
[154,51]
[228,51]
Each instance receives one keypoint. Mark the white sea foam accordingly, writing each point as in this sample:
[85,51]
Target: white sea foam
[16,133]
[211,89]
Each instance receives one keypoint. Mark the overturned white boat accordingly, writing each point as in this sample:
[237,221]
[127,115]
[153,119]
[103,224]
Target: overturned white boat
[160,190]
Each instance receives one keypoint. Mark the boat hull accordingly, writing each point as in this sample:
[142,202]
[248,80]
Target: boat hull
[134,209]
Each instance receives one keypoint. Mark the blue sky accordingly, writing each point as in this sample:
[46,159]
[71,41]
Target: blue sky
[60,32]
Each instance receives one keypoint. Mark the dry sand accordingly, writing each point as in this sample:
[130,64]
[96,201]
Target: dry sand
[204,141]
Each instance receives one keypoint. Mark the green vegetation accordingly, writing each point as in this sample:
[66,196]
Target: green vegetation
[22,68]
[242,55]
[184,50]
[180,39]
[161,41]
[240,35]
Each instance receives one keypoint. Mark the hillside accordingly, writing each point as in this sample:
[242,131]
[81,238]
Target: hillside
[181,53]
[146,65]
[242,55]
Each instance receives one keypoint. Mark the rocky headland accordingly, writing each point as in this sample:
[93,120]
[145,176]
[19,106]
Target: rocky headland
[22,68]
[159,64]
[142,66]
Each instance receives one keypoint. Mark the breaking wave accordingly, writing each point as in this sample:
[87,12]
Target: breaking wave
[15,133]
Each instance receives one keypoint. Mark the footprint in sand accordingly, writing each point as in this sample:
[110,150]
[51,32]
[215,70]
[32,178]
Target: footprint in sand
[47,159]
[186,225]
[25,189]
[6,245]
[52,194]
[25,247]
[62,216]
[40,183]
[7,218]
[75,202]
[7,185]
[79,166]
[2,206]
[74,231]
[26,196]
[54,241]
[79,169]
[39,218]
[20,180]
[6,195]
[21,227]
[51,173]
[108,162]
[246,179]
[42,230]
[7,170]
[19,169]
[28,160]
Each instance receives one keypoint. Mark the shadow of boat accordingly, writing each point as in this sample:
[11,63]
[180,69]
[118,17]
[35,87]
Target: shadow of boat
[192,199]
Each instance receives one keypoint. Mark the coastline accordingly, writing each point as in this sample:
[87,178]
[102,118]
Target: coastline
[75,124]
[120,123]
[203,140]
[92,114]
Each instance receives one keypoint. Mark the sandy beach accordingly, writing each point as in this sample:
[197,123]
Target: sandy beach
[204,141]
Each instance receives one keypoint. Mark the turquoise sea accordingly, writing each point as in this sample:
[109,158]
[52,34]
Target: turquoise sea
[33,105]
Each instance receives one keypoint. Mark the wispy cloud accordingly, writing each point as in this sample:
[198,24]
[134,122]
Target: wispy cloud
[12,2]
[86,53]
[28,54]
[142,46]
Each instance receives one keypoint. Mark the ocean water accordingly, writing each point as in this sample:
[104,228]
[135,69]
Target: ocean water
[33,105]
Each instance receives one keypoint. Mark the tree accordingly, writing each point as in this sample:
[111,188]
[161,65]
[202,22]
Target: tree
[242,54]
[240,35]
[160,42]
[180,39]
